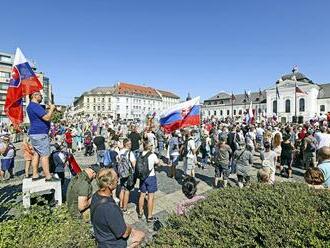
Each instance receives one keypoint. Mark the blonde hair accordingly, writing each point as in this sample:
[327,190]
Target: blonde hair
[104,178]
[277,140]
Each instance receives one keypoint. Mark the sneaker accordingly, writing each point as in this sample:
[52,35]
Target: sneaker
[52,179]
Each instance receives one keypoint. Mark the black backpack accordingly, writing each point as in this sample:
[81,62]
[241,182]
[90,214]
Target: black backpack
[142,167]
[51,162]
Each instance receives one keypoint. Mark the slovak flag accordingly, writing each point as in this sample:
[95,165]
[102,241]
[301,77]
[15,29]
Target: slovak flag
[182,115]
[251,115]
[23,82]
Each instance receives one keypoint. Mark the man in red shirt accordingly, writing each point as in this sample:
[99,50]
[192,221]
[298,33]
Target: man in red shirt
[68,140]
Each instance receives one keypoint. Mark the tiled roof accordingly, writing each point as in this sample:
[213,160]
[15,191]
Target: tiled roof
[324,91]
[101,90]
[168,94]
[133,89]
[239,98]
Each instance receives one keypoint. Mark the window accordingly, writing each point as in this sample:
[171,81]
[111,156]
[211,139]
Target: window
[109,107]
[5,58]
[118,107]
[109,99]
[215,112]
[322,108]
[234,111]
[287,106]
[94,108]
[221,113]
[3,86]
[94,99]
[102,99]
[98,108]
[4,74]
[228,112]
[240,112]
[103,108]
[209,113]
[302,105]
[275,106]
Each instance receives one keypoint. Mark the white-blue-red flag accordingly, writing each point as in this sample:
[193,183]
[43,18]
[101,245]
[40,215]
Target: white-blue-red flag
[23,82]
[182,115]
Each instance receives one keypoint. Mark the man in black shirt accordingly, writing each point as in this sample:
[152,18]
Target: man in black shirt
[99,142]
[109,225]
[135,138]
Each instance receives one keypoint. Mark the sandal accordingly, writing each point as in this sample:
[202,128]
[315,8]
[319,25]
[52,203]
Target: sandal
[150,219]
[37,178]
[140,215]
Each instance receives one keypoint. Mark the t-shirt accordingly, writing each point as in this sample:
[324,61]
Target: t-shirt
[80,185]
[135,138]
[325,168]
[323,139]
[108,222]
[191,146]
[129,155]
[152,160]
[37,125]
[269,160]
[222,154]
[99,141]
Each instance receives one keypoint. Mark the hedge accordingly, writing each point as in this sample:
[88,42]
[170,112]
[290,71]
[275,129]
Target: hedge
[43,226]
[284,215]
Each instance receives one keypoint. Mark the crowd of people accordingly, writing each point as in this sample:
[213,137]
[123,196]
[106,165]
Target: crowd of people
[127,154]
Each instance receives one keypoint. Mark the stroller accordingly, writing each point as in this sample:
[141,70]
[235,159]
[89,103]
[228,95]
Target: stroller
[88,143]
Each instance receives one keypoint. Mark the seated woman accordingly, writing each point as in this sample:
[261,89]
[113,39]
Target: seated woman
[189,188]
[314,177]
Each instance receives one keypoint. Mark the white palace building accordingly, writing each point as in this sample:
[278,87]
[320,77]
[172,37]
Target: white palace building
[292,95]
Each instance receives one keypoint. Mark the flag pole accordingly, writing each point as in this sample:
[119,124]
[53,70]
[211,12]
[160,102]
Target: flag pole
[232,107]
[295,100]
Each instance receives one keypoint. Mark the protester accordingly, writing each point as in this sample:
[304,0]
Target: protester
[244,160]
[109,226]
[189,189]
[7,149]
[99,142]
[189,154]
[38,132]
[324,165]
[286,155]
[149,184]
[269,158]
[79,192]
[174,153]
[28,154]
[221,158]
[68,140]
[135,138]
[127,163]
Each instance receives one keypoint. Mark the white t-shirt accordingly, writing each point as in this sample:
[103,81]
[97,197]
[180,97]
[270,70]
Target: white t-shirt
[323,139]
[269,160]
[191,147]
[152,160]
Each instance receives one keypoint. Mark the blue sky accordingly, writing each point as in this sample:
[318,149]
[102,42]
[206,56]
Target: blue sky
[179,45]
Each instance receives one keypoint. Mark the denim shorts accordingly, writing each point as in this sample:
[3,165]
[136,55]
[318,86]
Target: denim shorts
[174,160]
[149,185]
[40,143]
[7,164]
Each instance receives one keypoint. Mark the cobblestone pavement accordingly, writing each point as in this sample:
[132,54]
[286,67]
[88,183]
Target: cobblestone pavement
[168,194]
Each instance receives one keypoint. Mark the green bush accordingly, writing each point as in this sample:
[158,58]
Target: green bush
[47,227]
[285,215]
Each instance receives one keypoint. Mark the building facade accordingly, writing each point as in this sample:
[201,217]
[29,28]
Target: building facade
[123,101]
[281,100]
[6,64]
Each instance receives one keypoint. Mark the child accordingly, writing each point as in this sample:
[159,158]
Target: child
[28,153]
[68,140]
[189,188]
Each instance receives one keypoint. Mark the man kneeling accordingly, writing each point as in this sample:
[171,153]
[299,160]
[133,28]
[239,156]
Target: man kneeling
[109,225]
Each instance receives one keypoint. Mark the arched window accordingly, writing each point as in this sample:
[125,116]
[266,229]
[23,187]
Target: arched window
[287,106]
[302,105]
[275,106]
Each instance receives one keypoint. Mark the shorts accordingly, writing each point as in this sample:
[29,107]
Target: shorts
[123,184]
[189,165]
[69,145]
[149,185]
[174,160]
[286,161]
[219,170]
[7,164]
[40,143]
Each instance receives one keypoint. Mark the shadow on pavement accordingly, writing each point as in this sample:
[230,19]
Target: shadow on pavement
[8,197]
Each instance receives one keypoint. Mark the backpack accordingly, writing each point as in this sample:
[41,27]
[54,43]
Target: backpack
[142,167]
[51,162]
[107,161]
[185,149]
[124,165]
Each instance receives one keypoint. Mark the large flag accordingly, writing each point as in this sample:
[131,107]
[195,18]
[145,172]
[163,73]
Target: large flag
[298,90]
[251,115]
[181,115]
[23,82]
[277,93]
